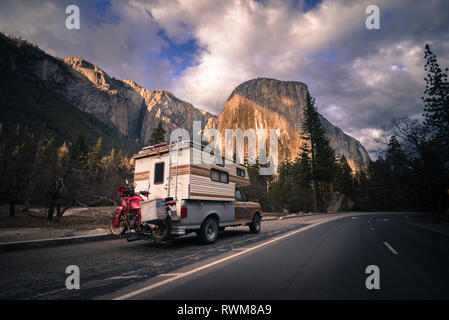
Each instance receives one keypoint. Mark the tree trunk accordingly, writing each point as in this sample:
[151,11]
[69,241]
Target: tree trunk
[50,212]
[12,208]
[51,208]
[66,208]
[312,171]
[29,185]
[61,212]
[385,201]
[315,206]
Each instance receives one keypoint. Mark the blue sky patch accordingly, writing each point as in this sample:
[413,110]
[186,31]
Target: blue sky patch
[180,55]
[310,4]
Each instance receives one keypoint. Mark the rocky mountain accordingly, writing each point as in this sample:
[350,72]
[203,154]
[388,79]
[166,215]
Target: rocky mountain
[143,108]
[26,101]
[270,104]
[173,112]
[133,110]
[76,89]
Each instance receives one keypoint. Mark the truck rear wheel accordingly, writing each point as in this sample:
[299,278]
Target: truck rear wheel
[254,226]
[209,231]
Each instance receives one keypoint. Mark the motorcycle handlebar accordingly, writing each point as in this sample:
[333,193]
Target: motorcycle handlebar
[131,193]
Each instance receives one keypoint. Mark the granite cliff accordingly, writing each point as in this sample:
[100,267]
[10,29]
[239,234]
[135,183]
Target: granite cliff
[270,104]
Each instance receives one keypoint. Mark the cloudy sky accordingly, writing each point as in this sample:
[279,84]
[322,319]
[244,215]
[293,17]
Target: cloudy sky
[201,50]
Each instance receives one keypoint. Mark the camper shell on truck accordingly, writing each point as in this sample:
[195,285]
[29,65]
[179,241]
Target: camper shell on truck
[206,194]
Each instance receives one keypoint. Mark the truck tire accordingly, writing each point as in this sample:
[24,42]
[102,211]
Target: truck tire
[209,231]
[254,226]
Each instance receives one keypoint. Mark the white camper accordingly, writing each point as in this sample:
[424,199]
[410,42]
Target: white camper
[204,187]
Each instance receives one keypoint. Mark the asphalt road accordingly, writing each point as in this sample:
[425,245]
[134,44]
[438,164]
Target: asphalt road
[299,258]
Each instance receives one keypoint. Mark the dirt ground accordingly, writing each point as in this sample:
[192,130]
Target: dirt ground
[34,225]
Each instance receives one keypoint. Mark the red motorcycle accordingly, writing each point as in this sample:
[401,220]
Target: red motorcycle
[127,217]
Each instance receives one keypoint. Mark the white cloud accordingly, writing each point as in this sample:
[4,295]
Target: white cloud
[125,43]
[247,39]
[361,78]
[369,137]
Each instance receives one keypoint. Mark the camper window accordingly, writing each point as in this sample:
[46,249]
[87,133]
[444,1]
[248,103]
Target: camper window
[240,172]
[219,176]
[159,173]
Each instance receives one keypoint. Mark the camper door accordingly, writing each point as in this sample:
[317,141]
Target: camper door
[158,176]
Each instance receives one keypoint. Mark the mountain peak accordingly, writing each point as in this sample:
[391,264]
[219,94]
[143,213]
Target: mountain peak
[265,84]
[79,62]
[96,75]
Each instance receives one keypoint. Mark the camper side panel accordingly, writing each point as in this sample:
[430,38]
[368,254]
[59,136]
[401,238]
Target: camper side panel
[141,172]
[202,187]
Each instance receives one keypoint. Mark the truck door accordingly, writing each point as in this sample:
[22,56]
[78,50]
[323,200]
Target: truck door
[241,206]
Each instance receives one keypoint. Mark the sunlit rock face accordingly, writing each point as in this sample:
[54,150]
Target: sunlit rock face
[272,104]
[162,105]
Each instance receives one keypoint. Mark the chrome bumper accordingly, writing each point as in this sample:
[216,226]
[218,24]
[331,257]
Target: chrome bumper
[178,231]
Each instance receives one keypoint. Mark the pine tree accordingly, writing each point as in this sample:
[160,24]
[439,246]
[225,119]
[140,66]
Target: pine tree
[395,157]
[79,150]
[158,134]
[395,161]
[63,154]
[436,113]
[301,170]
[30,182]
[95,157]
[322,157]
[436,110]
[16,153]
[343,177]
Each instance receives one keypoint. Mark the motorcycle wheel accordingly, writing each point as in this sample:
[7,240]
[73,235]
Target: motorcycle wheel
[116,230]
[162,230]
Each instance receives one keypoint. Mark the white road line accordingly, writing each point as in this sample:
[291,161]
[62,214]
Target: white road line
[124,277]
[170,274]
[182,275]
[391,248]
